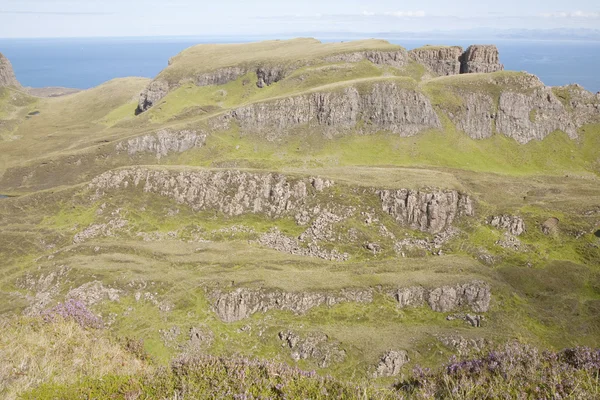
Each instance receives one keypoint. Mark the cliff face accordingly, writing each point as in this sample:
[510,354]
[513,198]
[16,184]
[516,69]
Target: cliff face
[235,192]
[7,75]
[480,58]
[162,143]
[439,60]
[244,302]
[386,106]
[429,212]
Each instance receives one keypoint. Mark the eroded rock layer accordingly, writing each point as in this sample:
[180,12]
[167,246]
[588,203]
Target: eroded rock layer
[439,60]
[385,106]
[7,74]
[480,59]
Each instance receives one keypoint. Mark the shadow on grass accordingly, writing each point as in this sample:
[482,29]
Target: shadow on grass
[597,233]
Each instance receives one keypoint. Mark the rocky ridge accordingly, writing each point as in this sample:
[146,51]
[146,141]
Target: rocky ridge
[480,59]
[163,143]
[439,60]
[235,192]
[385,106]
[7,74]
[241,303]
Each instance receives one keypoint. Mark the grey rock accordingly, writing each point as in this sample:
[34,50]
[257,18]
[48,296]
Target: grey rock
[480,59]
[533,116]
[477,117]
[151,95]
[266,76]
[163,143]
[92,293]
[391,363]
[511,223]
[395,58]
[274,239]
[385,107]
[474,295]
[438,60]
[315,346]
[464,346]
[243,302]
[510,242]
[230,192]
[550,226]
[7,74]
[220,76]
[429,212]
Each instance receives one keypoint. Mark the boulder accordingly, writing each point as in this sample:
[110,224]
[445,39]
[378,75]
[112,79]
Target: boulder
[391,363]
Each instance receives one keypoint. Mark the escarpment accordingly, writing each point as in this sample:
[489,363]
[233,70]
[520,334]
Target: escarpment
[234,192]
[439,60]
[429,212]
[384,106]
[7,74]
[242,303]
[480,58]
[162,143]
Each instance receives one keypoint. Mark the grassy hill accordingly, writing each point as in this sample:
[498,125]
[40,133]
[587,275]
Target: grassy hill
[316,207]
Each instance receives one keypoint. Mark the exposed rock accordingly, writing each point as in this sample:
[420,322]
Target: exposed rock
[533,116]
[510,223]
[550,226]
[169,336]
[93,293]
[473,320]
[230,192]
[395,58]
[269,75]
[163,143]
[385,107]
[432,245]
[315,346]
[274,239]
[155,91]
[200,339]
[464,346]
[509,242]
[220,76]
[440,60]
[391,363]
[7,74]
[242,303]
[477,117]
[475,295]
[321,228]
[428,212]
[95,230]
[480,58]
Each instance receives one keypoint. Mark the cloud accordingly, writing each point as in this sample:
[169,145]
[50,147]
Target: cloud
[572,14]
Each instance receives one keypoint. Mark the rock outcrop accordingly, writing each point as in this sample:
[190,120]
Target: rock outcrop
[155,91]
[242,303]
[315,346]
[395,58]
[478,116]
[274,239]
[7,74]
[474,295]
[440,60]
[510,223]
[391,363]
[230,192]
[480,59]
[533,116]
[384,107]
[266,76]
[163,143]
[429,212]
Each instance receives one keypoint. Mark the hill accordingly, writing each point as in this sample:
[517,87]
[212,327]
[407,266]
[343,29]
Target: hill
[349,208]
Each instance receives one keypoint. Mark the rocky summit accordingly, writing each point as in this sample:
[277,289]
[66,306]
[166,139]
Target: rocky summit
[259,211]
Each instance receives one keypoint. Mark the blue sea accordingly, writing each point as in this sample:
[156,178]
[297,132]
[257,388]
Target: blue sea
[85,63]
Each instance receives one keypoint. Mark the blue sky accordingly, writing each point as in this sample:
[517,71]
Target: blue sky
[84,18]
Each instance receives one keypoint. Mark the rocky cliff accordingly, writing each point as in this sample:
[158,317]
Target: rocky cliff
[480,59]
[163,143]
[430,212]
[275,195]
[440,60]
[384,106]
[7,75]
[241,303]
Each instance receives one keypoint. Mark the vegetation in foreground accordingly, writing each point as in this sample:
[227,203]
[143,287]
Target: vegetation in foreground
[84,363]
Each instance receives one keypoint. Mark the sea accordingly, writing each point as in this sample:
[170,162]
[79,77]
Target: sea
[87,62]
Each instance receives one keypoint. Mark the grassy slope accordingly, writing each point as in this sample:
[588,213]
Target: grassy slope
[546,295]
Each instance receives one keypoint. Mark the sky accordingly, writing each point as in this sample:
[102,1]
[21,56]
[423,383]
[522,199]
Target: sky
[103,18]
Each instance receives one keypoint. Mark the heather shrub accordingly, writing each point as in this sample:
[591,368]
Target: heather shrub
[73,310]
